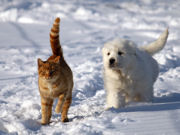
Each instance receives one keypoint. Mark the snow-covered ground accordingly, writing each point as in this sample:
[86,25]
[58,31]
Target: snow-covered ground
[85,27]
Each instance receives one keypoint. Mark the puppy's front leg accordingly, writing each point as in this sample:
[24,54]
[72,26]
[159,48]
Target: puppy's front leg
[115,99]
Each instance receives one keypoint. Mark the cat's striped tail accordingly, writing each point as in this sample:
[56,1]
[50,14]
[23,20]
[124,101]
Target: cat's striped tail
[54,38]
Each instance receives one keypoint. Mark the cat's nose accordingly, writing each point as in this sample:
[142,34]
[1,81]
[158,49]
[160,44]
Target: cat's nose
[47,77]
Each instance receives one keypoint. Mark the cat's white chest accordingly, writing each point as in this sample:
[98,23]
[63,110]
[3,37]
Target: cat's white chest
[50,88]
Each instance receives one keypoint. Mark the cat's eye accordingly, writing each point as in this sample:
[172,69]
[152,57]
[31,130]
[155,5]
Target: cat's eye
[51,72]
[120,53]
[108,53]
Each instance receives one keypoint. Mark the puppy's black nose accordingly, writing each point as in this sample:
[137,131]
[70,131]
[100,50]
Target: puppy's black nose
[111,61]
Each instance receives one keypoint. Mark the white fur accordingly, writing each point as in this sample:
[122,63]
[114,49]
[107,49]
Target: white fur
[132,75]
[157,45]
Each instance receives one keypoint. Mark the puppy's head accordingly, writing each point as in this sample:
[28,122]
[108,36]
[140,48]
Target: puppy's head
[119,54]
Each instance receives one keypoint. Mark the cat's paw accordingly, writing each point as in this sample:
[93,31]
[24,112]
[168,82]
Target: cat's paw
[64,120]
[44,122]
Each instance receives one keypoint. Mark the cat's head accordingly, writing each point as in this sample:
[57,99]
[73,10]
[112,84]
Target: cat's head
[48,69]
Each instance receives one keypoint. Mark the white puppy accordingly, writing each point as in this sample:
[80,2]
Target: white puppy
[129,71]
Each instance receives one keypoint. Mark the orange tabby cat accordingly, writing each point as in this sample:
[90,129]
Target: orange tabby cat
[55,79]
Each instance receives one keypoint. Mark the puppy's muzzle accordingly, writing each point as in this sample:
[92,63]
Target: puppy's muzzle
[111,61]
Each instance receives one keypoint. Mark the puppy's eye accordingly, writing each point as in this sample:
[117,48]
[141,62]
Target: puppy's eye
[108,53]
[120,53]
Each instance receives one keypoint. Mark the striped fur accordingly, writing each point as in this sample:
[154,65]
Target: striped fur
[55,80]
[54,38]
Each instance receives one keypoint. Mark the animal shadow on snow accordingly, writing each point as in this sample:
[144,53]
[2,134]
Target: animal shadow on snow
[31,124]
[169,103]
[164,103]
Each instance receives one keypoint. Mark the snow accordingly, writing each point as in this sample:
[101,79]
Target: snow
[85,27]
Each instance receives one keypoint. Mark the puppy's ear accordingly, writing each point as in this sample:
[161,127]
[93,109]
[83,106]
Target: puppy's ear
[103,50]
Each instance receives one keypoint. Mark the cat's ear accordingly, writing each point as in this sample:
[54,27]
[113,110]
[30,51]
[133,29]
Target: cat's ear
[57,59]
[40,62]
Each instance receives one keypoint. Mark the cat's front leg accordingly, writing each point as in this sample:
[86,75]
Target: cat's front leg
[59,104]
[50,109]
[46,110]
[65,109]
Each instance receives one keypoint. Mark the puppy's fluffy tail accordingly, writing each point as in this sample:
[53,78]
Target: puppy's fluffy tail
[54,38]
[157,45]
